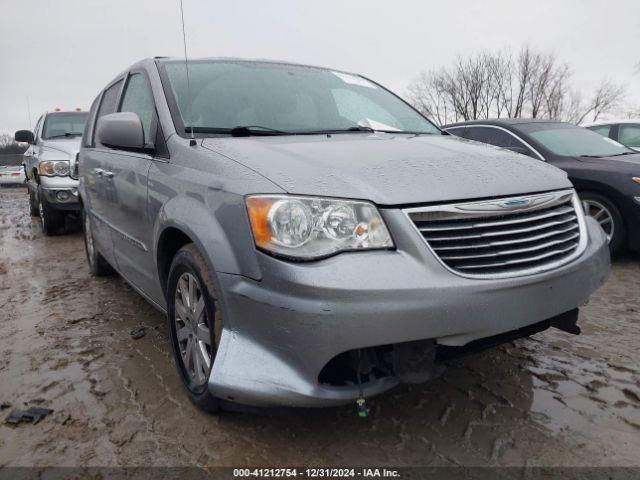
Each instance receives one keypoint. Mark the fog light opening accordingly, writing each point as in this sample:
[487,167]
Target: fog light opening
[62,195]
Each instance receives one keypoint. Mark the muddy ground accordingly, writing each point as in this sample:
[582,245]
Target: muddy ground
[554,399]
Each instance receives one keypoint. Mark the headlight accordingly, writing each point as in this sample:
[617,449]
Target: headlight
[307,228]
[54,168]
[636,179]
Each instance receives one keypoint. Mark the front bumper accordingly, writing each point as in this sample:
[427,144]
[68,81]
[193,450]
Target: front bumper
[60,193]
[281,331]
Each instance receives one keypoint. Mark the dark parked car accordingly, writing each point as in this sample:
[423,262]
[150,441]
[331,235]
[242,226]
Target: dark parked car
[605,173]
[317,240]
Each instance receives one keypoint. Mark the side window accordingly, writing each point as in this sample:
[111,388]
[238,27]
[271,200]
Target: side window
[499,138]
[629,135]
[87,136]
[137,98]
[479,134]
[458,131]
[603,130]
[109,101]
[36,130]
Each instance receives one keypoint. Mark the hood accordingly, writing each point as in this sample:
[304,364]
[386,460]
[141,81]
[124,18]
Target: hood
[68,147]
[389,169]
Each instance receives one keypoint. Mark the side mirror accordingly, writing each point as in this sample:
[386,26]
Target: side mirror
[121,130]
[24,136]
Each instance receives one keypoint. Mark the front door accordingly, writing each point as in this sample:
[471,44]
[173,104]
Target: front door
[126,183]
[94,164]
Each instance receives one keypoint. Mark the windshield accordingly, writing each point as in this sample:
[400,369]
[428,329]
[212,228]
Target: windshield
[569,140]
[62,125]
[283,99]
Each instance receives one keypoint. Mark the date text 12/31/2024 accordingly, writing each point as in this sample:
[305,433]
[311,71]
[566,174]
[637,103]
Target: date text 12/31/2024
[315,473]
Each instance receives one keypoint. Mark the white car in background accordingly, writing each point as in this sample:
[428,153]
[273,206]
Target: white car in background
[626,132]
[11,175]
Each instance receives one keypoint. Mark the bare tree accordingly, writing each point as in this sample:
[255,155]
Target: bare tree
[606,98]
[9,146]
[427,93]
[534,84]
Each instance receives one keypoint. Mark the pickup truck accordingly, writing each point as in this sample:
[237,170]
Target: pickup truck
[51,169]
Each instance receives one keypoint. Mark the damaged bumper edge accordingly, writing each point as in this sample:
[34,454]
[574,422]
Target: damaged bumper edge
[283,330]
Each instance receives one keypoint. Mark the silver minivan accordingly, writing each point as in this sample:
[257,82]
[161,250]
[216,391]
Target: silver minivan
[313,239]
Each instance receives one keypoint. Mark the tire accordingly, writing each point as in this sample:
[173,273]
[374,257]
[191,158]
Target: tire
[34,209]
[97,263]
[51,220]
[608,216]
[190,290]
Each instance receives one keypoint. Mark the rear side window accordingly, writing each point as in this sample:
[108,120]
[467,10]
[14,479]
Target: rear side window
[629,135]
[109,101]
[87,137]
[458,131]
[137,98]
[489,135]
[499,138]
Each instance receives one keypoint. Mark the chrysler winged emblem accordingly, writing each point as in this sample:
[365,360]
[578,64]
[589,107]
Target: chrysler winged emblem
[514,203]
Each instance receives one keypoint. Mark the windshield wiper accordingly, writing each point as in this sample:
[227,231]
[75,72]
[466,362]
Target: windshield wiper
[68,134]
[240,131]
[248,130]
[360,128]
[259,130]
[623,153]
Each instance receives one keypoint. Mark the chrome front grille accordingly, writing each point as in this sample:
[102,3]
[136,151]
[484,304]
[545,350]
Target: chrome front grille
[504,237]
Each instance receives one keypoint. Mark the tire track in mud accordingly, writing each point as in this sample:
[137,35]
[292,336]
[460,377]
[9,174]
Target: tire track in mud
[554,399]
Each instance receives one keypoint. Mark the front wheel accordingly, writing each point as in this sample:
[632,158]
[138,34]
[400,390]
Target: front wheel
[51,220]
[195,324]
[34,209]
[608,216]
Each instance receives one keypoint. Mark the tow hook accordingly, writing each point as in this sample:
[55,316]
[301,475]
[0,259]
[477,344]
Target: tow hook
[361,403]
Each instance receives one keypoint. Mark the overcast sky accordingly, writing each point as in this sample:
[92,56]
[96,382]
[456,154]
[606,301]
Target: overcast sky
[61,53]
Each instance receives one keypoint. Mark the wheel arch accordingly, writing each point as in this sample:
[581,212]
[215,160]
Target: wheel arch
[185,220]
[171,240]
[601,189]
[606,194]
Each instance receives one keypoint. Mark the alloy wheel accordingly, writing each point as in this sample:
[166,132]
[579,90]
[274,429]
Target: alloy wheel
[192,329]
[601,214]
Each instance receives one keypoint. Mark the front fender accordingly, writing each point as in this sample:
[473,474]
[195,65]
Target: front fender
[221,233]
